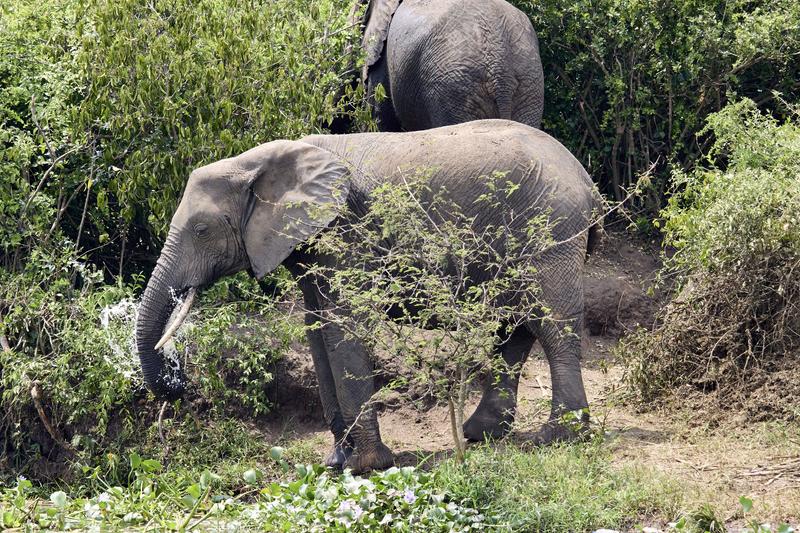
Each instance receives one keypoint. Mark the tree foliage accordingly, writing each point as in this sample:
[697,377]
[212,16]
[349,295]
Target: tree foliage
[629,83]
[105,108]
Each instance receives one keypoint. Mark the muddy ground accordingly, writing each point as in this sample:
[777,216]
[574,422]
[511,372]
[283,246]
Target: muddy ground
[717,460]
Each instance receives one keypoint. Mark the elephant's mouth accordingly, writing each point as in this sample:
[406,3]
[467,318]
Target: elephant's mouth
[186,306]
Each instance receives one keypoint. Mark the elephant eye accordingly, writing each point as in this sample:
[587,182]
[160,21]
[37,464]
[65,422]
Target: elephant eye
[201,229]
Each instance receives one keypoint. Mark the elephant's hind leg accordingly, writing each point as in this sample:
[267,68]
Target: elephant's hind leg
[495,413]
[560,336]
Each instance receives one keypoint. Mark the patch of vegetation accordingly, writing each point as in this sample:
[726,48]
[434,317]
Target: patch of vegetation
[629,83]
[83,372]
[105,108]
[312,498]
[560,488]
[705,520]
[733,326]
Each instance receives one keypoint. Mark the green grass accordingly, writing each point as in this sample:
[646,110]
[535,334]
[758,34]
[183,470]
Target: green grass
[562,488]
[244,482]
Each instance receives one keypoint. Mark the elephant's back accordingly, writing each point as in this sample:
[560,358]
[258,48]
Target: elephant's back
[453,61]
[462,156]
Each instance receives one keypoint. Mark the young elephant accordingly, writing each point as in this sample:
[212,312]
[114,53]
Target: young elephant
[255,211]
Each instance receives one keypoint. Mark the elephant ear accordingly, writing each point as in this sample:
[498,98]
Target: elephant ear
[377,20]
[295,191]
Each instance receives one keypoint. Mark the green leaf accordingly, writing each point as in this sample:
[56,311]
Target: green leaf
[194,490]
[59,499]
[251,476]
[746,503]
[8,519]
[276,452]
[136,460]
[188,501]
[151,465]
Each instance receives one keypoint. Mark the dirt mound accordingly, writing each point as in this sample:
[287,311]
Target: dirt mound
[616,284]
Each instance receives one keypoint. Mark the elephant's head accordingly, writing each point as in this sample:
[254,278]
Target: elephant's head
[249,211]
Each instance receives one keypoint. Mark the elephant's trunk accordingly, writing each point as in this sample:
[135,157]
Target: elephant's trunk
[165,378]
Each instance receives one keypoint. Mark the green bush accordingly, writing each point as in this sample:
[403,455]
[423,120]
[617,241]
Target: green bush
[629,83]
[175,85]
[733,224]
[105,108]
[76,352]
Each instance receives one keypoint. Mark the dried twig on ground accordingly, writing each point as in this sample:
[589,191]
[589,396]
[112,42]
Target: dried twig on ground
[36,395]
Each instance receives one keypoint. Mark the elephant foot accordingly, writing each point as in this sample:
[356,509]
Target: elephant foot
[338,456]
[376,458]
[488,423]
[562,430]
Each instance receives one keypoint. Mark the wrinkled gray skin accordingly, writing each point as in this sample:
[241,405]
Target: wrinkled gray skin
[444,62]
[256,210]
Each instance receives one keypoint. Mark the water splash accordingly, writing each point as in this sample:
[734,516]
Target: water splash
[118,322]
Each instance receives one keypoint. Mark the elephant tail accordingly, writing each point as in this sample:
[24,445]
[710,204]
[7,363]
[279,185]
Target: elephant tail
[596,229]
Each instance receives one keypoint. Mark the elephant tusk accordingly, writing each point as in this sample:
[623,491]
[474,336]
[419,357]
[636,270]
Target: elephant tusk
[187,305]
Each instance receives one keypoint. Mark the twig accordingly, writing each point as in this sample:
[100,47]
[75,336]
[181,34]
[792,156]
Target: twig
[41,131]
[44,178]
[4,340]
[36,395]
[541,387]
[452,408]
[774,479]
[164,443]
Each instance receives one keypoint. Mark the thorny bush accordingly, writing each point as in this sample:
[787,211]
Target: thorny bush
[418,255]
[734,324]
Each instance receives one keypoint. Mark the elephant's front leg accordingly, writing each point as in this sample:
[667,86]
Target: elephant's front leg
[353,374]
[342,442]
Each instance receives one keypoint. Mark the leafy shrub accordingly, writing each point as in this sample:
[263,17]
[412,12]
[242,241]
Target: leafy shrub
[435,264]
[175,85]
[314,500]
[629,83]
[733,224]
[231,342]
[82,361]
[105,107]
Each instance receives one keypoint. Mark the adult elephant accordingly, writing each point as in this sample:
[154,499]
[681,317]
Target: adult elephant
[255,211]
[445,62]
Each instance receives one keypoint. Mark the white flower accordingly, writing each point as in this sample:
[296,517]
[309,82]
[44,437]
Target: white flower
[348,510]
[357,512]
[104,497]
[409,497]
[328,495]
[354,485]
[92,511]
